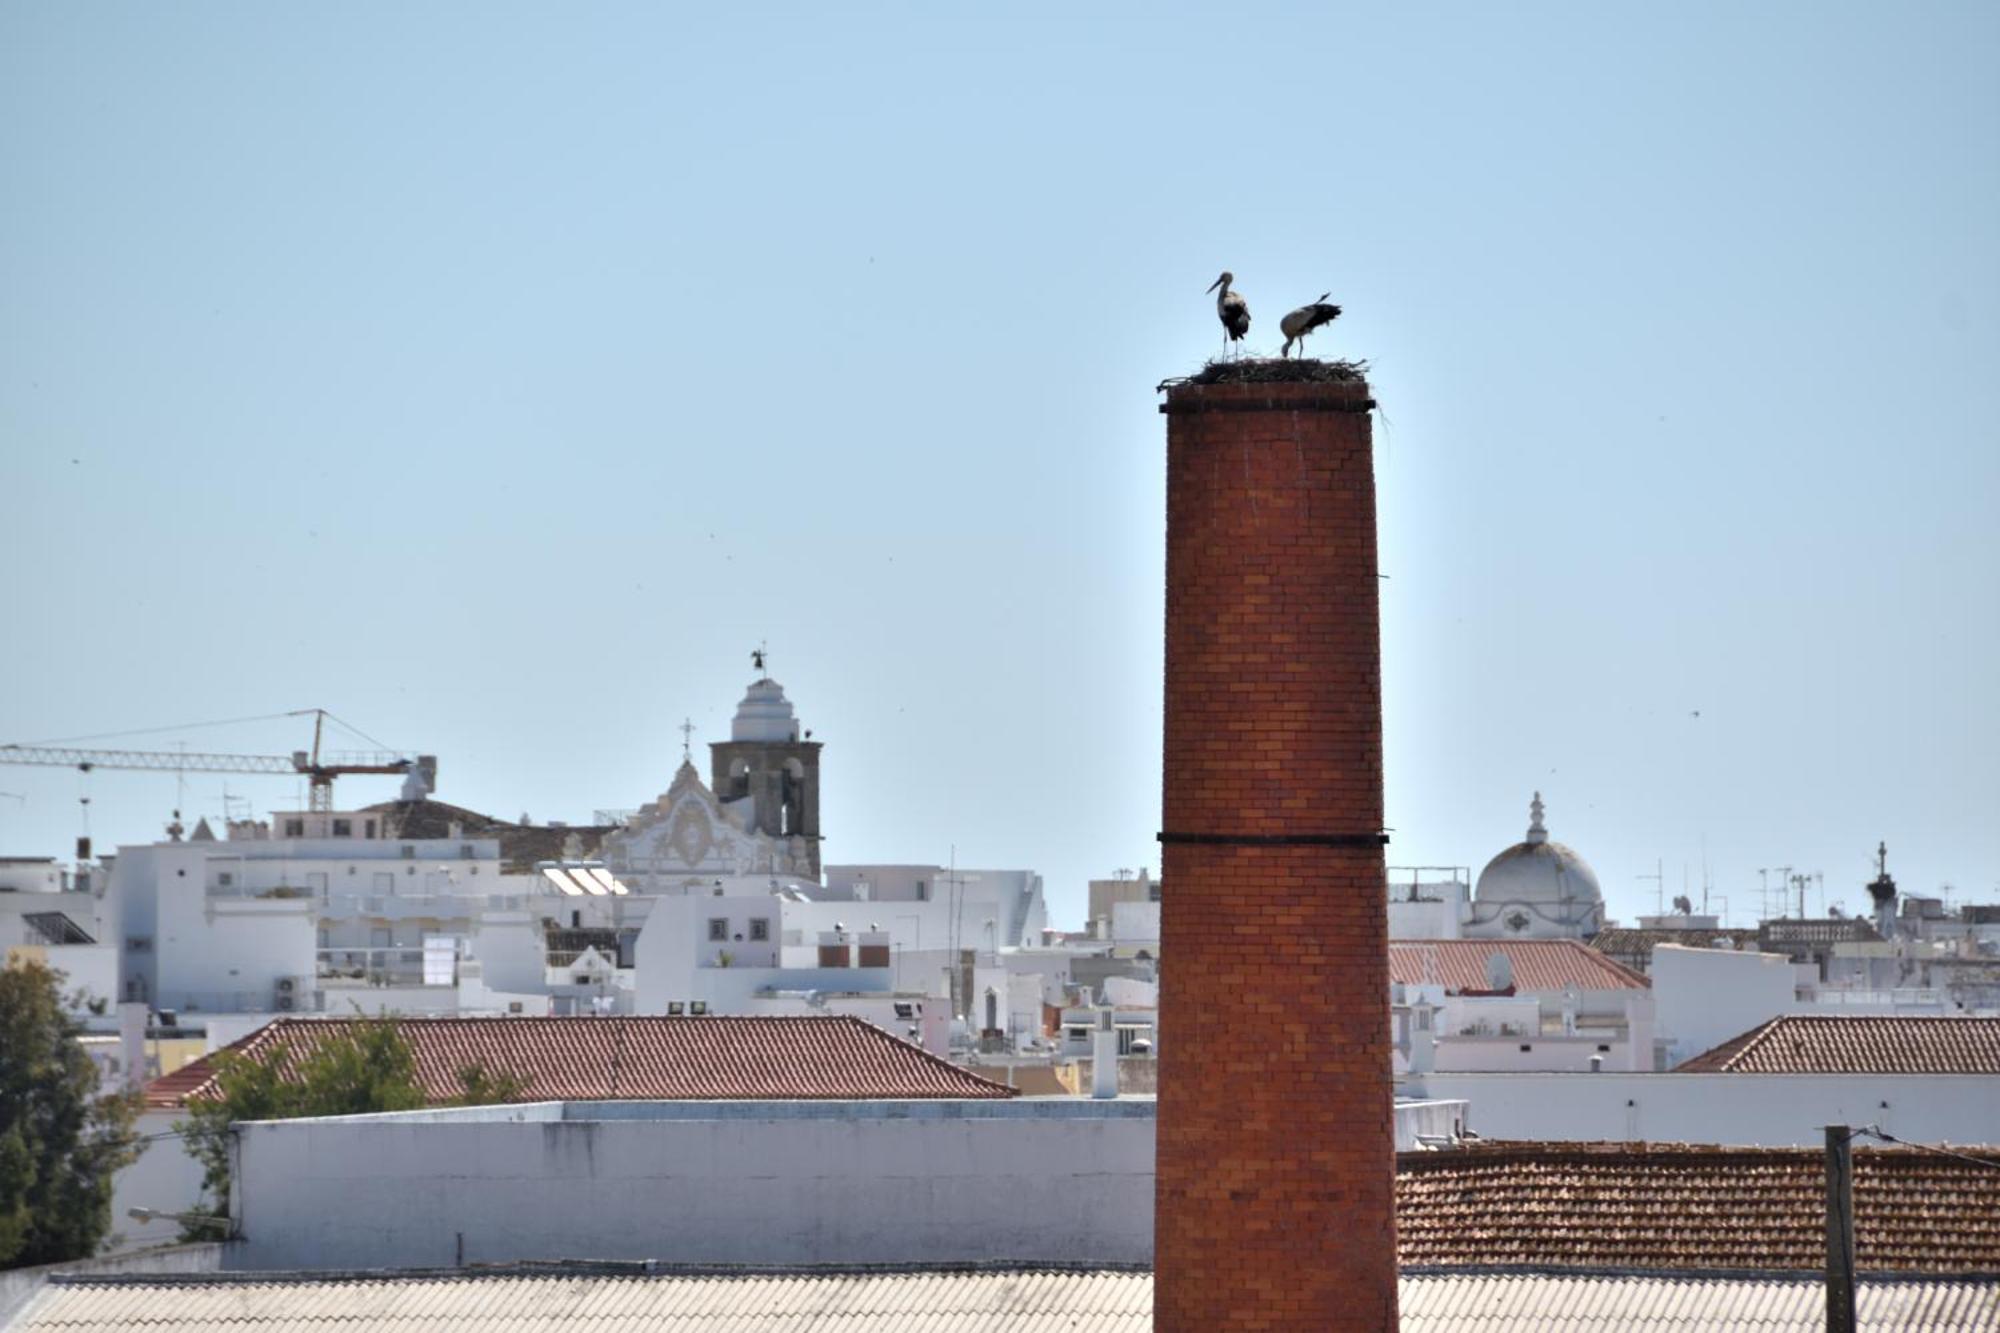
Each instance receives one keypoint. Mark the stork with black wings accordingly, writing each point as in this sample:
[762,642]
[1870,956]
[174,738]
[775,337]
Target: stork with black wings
[1304,320]
[1231,309]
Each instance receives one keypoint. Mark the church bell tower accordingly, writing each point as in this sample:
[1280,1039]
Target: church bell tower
[766,762]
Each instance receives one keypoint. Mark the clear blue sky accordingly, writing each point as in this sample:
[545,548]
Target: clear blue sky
[498,375]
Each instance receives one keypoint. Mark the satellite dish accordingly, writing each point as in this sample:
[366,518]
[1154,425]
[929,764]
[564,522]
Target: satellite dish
[1499,971]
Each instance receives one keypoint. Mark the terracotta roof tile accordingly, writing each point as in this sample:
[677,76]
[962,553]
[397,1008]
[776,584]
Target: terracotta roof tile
[1623,942]
[1539,965]
[1857,1044]
[521,845]
[1692,1208]
[592,1059]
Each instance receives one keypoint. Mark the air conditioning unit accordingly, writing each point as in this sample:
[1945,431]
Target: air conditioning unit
[287,985]
[514,1006]
[285,1003]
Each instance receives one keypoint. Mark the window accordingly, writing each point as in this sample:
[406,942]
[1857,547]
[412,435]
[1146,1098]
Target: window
[1153,893]
[923,893]
[369,826]
[295,828]
[343,828]
[465,851]
[1077,1034]
[1525,1047]
[1605,1048]
[225,879]
[760,928]
[718,928]
[409,851]
[138,944]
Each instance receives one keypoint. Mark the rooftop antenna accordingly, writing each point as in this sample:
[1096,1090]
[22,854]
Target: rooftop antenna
[1784,874]
[686,730]
[1659,878]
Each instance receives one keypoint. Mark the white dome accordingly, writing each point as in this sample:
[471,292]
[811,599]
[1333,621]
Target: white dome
[764,715]
[1542,875]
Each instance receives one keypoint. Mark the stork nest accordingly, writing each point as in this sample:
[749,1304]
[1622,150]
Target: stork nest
[1274,370]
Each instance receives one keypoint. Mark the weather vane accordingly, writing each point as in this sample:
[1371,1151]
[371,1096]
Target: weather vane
[686,730]
[758,654]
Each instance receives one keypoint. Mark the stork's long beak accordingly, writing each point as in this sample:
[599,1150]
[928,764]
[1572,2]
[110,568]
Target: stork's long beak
[1213,285]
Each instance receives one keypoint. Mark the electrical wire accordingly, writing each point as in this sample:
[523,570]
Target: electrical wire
[1876,1132]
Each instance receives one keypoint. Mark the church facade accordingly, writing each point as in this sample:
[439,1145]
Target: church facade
[760,816]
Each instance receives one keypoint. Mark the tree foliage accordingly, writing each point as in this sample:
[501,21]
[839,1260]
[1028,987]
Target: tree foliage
[357,1069]
[60,1142]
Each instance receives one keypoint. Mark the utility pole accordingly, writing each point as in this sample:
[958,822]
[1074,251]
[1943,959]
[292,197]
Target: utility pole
[1839,1229]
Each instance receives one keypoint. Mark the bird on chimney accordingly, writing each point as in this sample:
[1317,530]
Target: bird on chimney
[1304,320]
[1231,309]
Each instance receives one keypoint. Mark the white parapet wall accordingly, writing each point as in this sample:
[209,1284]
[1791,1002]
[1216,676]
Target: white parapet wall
[1749,1110]
[787,1183]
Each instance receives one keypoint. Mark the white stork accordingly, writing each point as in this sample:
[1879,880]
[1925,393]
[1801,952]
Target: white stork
[1304,320]
[1231,309]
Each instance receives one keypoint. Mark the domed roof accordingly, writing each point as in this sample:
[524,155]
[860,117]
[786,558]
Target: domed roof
[764,715]
[1538,871]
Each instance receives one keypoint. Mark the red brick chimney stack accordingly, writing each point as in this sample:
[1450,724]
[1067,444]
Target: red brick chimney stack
[1276,1203]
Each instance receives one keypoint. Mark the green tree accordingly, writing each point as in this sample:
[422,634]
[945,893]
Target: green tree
[60,1142]
[359,1068]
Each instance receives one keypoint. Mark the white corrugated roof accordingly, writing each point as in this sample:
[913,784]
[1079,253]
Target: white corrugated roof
[1551,1303]
[960,1302]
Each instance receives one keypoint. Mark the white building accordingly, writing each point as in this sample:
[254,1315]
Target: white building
[64,921]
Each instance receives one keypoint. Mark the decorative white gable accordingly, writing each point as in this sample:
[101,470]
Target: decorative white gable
[688,837]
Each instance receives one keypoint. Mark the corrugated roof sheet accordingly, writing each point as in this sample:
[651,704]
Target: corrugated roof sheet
[1539,965]
[594,1059]
[1857,1044]
[1550,1303]
[1671,1206]
[962,1302]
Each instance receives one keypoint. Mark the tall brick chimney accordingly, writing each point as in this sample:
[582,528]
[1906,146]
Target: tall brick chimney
[1276,1193]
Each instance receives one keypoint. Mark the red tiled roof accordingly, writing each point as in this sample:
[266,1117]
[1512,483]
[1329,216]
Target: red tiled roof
[652,1058]
[1672,1206]
[1857,1044]
[1539,965]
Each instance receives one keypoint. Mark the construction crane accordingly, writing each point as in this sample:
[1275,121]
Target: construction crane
[320,768]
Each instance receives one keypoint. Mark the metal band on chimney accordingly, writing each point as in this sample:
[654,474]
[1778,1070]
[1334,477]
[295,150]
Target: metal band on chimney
[1376,839]
[1188,407]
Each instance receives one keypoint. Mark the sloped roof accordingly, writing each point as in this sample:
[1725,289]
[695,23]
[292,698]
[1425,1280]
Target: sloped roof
[1640,941]
[583,1299]
[1539,965]
[521,845]
[1857,1044]
[678,1059]
[1676,1207]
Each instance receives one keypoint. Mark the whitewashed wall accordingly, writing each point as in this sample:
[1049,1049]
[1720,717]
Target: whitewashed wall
[1765,1110]
[746,1183]
[1703,997]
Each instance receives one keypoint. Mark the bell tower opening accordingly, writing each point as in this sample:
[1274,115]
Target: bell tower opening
[770,761]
